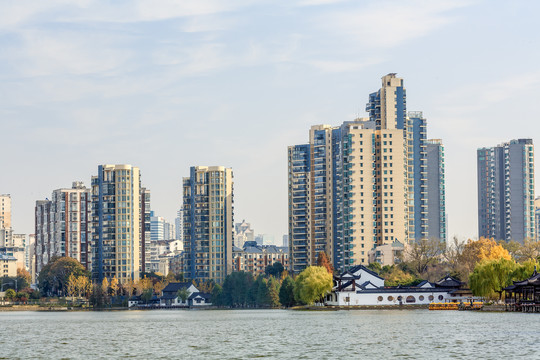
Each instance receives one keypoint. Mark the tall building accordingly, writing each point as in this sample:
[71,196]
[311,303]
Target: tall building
[5,211]
[436,191]
[208,223]
[243,232]
[506,208]
[146,246]
[537,218]
[417,214]
[31,256]
[178,225]
[346,193]
[117,222]
[360,185]
[63,226]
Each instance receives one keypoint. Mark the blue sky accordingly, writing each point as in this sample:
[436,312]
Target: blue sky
[165,85]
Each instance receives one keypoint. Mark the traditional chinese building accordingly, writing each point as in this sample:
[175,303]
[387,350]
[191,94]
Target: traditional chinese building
[524,295]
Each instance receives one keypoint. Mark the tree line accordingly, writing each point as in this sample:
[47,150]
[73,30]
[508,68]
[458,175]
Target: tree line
[276,288]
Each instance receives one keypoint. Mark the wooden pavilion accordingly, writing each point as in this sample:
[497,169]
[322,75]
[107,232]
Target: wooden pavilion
[524,295]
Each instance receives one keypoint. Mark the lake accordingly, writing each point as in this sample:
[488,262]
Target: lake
[273,334]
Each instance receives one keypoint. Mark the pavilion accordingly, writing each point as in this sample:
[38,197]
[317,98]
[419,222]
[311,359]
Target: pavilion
[524,295]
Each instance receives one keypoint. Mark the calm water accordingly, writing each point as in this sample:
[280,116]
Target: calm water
[276,334]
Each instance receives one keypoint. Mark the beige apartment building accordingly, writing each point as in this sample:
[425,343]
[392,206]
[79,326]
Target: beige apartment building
[5,211]
[208,223]
[117,219]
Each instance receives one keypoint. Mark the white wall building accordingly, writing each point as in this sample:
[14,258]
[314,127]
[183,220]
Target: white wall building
[362,287]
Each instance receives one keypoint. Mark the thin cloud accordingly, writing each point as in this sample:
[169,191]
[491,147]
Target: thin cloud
[390,23]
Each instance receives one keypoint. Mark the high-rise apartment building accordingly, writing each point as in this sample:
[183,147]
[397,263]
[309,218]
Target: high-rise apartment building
[360,185]
[146,246]
[436,191]
[208,223]
[506,208]
[117,221]
[537,218]
[5,211]
[178,225]
[63,226]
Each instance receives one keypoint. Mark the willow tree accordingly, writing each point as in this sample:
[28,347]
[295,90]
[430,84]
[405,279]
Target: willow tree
[312,284]
[490,277]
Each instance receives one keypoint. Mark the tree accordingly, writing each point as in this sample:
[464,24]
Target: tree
[312,284]
[105,286]
[146,295]
[205,286]
[452,254]
[528,251]
[54,276]
[322,260]
[158,287]
[286,292]
[83,286]
[238,290]
[423,253]
[275,269]
[491,276]
[71,286]
[395,276]
[263,295]
[98,298]
[376,267]
[183,294]
[273,292]
[114,286]
[481,249]
[10,294]
[129,288]
[217,295]
[170,278]
[23,278]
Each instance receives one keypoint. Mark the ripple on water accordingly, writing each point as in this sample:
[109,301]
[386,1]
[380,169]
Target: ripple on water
[268,334]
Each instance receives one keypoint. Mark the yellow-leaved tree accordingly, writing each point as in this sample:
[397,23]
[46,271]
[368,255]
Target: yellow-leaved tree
[312,284]
[114,286]
[481,249]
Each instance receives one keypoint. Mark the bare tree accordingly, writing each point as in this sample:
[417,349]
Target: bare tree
[423,253]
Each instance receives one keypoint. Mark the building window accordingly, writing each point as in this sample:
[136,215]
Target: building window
[390,298]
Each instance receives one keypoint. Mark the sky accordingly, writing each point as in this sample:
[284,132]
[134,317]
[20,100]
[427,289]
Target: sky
[165,85]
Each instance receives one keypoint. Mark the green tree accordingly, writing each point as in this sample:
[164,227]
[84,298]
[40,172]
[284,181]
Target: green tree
[217,295]
[376,267]
[275,269]
[491,276]
[238,290]
[183,294]
[273,292]
[312,284]
[10,294]
[286,292]
[146,295]
[263,295]
[53,278]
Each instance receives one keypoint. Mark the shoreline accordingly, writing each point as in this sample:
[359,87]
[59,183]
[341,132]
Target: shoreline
[492,308]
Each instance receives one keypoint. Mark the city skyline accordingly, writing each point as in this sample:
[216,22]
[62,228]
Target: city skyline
[224,86]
